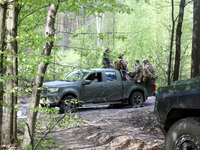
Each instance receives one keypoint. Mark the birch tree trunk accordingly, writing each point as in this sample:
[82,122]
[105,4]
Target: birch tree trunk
[38,80]
[178,40]
[195,65]
[10,121]
[3,8]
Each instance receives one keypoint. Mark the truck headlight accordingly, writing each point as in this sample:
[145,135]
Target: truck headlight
[53,90]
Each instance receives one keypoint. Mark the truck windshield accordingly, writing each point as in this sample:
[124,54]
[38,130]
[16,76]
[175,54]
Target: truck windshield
[75,76]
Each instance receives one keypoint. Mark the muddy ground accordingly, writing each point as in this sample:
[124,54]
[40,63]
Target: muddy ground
[118,127]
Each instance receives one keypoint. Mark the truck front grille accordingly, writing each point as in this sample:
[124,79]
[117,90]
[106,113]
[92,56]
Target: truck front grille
[45,91]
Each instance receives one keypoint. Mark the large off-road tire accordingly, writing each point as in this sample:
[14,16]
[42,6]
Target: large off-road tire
[184,135]
[67,104]
[136,99]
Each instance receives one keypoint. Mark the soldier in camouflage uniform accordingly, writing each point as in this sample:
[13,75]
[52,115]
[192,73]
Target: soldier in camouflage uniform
[152,76]
[149,66]
[107,61]
[119,63]
[137,74]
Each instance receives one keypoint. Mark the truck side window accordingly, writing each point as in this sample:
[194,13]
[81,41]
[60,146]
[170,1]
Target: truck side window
[110,76]
[95,77]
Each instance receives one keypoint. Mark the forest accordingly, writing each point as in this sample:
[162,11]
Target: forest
[44,40]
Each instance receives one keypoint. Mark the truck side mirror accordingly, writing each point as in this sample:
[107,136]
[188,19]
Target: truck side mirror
[87,82]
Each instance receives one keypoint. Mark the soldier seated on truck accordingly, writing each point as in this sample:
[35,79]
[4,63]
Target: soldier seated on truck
[137,74]
[148,66]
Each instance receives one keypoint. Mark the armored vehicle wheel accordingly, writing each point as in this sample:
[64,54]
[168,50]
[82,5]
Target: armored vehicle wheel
[67,104]
[136,99]
[184,135]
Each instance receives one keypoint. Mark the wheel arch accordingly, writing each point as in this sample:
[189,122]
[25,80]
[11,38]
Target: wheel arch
[138,90]
[176,114]
[69,94]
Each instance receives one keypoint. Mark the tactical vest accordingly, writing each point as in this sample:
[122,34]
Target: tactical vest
[151,69]
[145,74]
[118,64]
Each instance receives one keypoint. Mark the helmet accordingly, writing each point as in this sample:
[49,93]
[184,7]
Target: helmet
[107,50]
[120,55]
[145,61]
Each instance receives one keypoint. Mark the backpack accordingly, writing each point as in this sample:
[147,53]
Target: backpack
[145,74]
[118,64]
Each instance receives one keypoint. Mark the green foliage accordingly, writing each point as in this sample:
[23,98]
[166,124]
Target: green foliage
[143,34]
[50,117]
[44,145]
[5,105]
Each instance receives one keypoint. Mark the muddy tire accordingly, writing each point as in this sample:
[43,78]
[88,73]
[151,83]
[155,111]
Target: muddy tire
[67,104]
[184,135]
[136,99]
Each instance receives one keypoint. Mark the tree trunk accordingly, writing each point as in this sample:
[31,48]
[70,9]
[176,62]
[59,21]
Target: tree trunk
[38,80]
[178,40]
[171,46]
[15,70]
[10,121]
[195,64]
[3,8]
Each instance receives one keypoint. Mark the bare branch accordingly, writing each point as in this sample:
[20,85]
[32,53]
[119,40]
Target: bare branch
[32,144]
[50,130]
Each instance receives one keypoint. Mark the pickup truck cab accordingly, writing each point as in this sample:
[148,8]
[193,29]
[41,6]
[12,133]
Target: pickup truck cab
[177,112]
[99,85]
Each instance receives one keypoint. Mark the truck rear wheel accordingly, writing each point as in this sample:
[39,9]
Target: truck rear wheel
[184,135]
[68,104]
[136,99]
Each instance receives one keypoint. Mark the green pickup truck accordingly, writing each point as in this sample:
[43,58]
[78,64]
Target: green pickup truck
[99,85]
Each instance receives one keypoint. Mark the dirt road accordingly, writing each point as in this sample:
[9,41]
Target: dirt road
[119,127]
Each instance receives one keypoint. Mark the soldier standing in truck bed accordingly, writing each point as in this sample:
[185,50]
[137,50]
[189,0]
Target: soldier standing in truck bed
[119,63]
[107,61]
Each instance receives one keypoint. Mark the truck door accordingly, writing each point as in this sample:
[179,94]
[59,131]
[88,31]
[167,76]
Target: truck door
[93,92]
[113,86]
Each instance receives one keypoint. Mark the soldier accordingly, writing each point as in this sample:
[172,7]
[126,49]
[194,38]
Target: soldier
[107,61]
[149,66]
[137,74]
[119,63]
[152,76]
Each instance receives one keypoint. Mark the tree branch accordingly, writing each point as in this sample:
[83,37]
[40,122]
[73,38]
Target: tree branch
[31,13]
[29,131]
[189,2]
[160,66]
[50,130]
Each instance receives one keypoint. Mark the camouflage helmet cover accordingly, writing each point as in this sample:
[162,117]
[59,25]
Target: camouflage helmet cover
[120,55]
[145,61]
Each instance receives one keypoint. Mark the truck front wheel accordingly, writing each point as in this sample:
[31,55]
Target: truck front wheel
[68,104]
[136,99]
[184,135]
